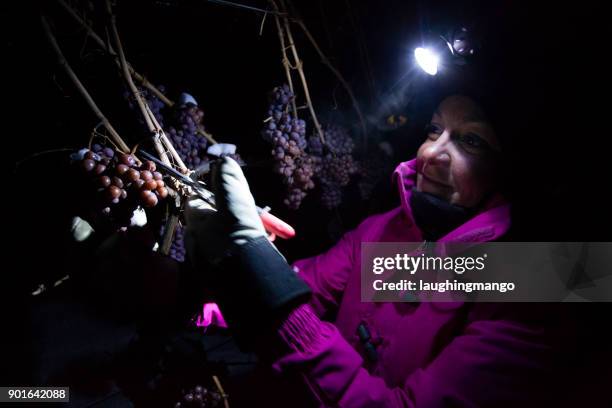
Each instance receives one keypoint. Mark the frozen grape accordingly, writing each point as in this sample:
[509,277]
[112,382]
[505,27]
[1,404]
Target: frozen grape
[88,165]
[122,168]
[288,138]
[138,183]
[99,169]
[199,397]
[111,174]
[117,182]
[148,198]
[335,163]
[150,185]
[162,192]
[185,134]
[114,192]
[133,175]
[91,156]
[104,181]
[127,159]
[376,167]
[146,175]
[149,165]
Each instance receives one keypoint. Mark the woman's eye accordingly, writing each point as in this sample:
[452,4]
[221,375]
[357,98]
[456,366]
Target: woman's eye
[433,131]
[473,143]
[472,140]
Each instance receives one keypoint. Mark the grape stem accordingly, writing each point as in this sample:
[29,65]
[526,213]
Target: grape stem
[158,137]
[135,93]
[139,77]
[165,141]
[81,88]
[300,69]
[242,6]
[281,37]
[109,49]
[207,135]
[221,391]
[169,229]
[338,75]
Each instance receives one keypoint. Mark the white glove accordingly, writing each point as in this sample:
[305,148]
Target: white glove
[211,234]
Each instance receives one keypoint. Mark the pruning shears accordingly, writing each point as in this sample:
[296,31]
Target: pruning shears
[273,225]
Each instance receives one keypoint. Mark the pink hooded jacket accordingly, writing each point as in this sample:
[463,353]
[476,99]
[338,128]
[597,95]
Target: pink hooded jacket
[429,354]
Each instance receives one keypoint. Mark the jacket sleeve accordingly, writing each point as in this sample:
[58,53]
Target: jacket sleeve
[328,273]
[495,363]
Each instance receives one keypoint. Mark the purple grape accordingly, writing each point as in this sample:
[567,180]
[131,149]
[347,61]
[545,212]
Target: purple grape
[184,135]
[335,163]
[377,166]
[177,248]
[108,152]
[154,103]
[288,138]
[108,175]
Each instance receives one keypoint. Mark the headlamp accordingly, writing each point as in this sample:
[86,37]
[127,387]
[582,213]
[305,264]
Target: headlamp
[455,49]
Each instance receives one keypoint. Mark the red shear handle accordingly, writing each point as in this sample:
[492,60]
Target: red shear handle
[276,226]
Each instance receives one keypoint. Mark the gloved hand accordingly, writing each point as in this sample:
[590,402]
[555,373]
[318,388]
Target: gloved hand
[250,279]
[211,233]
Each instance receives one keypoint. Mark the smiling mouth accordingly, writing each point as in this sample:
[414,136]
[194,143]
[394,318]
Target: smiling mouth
[435,182]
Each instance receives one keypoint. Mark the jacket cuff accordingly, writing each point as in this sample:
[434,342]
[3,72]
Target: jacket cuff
[261,277]
[302,331]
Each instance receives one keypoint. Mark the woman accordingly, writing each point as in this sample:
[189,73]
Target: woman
[354,354]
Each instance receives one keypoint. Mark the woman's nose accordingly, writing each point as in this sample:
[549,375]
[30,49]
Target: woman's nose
[437,152]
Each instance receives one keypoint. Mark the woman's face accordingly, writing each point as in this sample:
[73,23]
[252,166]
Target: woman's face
[458,162]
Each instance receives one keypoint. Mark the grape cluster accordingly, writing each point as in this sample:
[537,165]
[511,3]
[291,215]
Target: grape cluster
[287,135]
[335,163]
[191,147]
[338,140]
[155,104]
[177,247]
[199,397]
[118,179]
[181,126]
[372,170]
[189,144]
[331,195]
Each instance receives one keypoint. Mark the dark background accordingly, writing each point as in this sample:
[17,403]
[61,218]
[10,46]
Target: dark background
[552,57]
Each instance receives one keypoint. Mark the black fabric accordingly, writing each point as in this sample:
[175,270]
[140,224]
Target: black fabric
[436,217]
[256,289]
